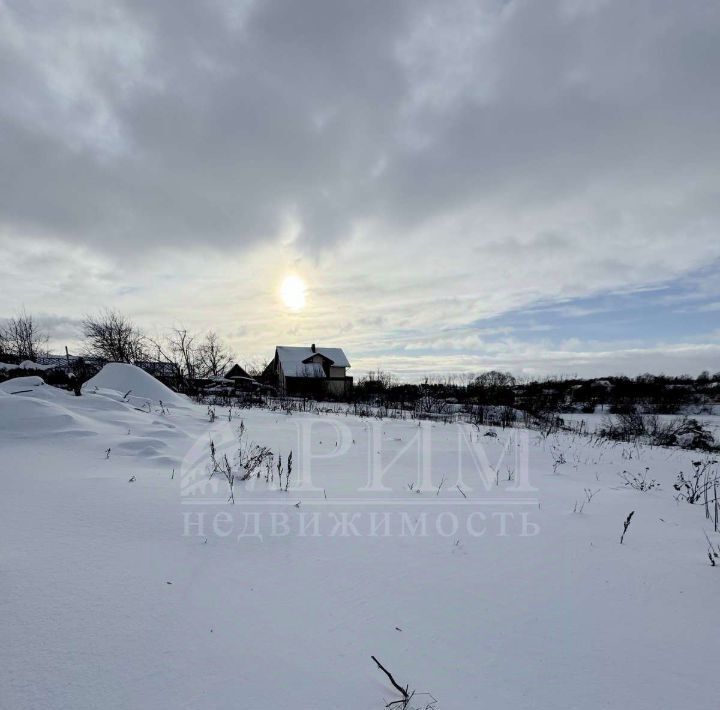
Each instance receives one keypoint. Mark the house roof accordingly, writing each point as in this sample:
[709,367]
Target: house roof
[237,371]
[292,360]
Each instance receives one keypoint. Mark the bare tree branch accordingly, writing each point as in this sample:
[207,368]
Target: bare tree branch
[111,336]
[399,688]
[22,338]
[214,358]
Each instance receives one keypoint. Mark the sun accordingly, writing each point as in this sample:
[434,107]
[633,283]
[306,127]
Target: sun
[292,292]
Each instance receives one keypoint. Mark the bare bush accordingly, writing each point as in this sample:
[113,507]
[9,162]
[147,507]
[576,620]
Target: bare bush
[250,457]
[701,486]
[634,427]
[713,551]
[249,460]
[639,481]
[22,338]
[627,426]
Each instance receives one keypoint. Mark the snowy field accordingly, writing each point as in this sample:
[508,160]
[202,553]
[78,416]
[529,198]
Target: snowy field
[598,420]
[473,567]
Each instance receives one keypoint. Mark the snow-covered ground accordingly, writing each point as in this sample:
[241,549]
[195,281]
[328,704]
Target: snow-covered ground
[128,581]
[598,420]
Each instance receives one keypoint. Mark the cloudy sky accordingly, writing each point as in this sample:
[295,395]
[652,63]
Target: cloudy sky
[530,185]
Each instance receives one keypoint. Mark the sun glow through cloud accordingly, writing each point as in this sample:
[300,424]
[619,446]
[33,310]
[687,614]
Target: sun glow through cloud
[292,292]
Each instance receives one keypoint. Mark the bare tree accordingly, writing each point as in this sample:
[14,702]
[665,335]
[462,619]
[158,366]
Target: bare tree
[22,338]
[111,336]
[214,356]
[185,354]
[428,401]
[379,380]
[180,351]
[255,366]
[191,358]
[495,379]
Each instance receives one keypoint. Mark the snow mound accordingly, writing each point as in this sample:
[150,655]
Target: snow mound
[24,416]
[122,378]
[21,383]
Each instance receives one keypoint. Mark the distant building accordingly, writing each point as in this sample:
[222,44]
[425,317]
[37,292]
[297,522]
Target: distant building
[240,379]
[236,371]
[163,371]
[309,371]
[67,363]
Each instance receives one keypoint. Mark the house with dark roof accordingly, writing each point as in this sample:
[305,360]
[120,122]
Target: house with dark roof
[309,371]
[236,372]
[240,379]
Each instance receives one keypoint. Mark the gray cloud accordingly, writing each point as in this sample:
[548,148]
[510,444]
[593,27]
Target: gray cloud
[179,126]
[429,164]
[147,123]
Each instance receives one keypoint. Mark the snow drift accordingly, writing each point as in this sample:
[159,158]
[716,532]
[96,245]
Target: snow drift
[22,416]
[20,384]
[118,377]
[29,407]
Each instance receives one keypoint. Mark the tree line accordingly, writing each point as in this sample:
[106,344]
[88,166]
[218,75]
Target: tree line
[180,356]
[654,394]
[183,358]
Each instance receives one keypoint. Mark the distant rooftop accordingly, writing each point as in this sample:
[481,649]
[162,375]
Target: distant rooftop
[294,359]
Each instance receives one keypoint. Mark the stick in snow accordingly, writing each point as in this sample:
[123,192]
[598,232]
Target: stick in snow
[397,687]
[626,525]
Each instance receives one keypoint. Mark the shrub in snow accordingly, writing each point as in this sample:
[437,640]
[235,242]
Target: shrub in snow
[249,460]
[713,551]
[694,435]
[639,481]
[701,486]
[635,427]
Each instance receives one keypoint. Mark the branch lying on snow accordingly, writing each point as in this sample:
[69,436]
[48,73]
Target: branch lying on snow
[406,696]
[399,688]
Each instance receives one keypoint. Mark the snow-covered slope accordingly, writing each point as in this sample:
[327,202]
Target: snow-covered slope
[117,590]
